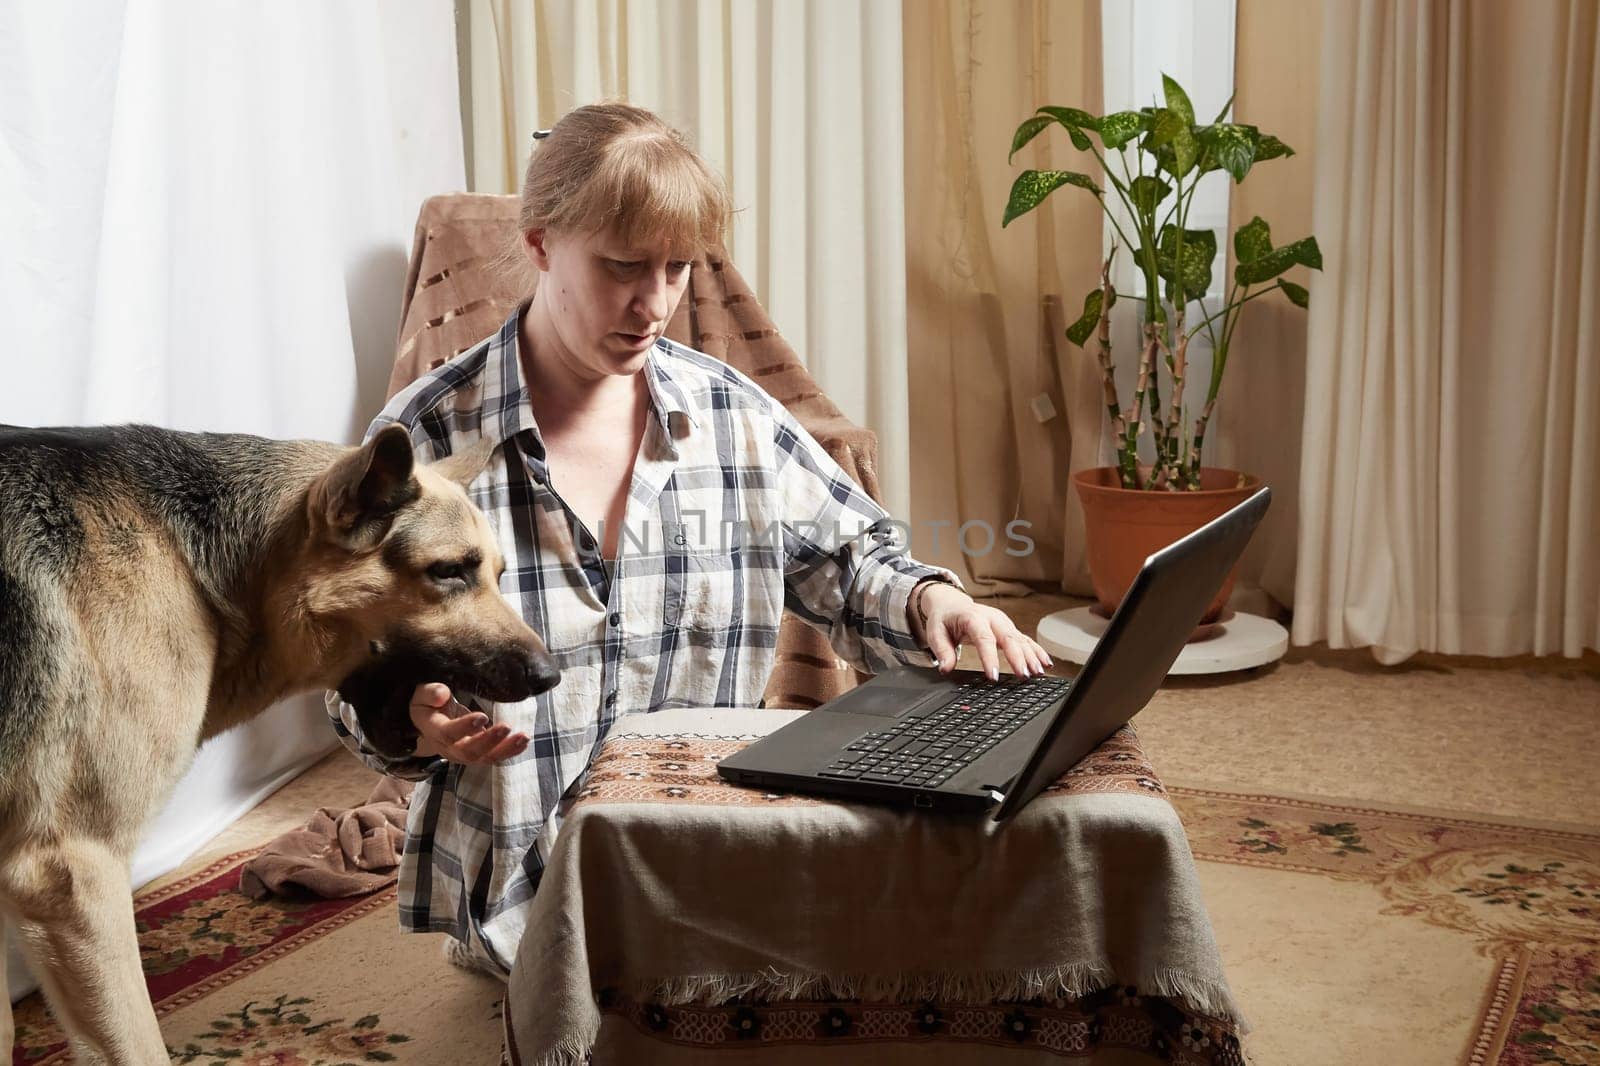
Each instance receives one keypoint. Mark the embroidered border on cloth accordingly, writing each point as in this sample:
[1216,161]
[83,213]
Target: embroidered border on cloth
[1113,1018]
[683,769]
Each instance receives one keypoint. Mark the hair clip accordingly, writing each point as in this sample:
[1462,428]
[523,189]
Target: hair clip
[540,135]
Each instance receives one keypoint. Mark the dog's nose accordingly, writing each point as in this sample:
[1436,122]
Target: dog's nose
[542,675]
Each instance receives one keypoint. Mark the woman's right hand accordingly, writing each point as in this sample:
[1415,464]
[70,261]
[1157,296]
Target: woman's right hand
[451,731]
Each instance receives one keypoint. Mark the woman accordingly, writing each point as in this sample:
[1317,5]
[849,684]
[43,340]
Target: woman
[657,511]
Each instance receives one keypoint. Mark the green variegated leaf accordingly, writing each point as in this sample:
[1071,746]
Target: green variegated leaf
[1192,266]
[1224,112]
[1167,154]
[1163,155]
[1146,191]
[1076,122]
[1027,132]
[1311,255]
[1271,148]
[1303,252]
[1178,100]
[1297,293]
[1185,152]
[1118,129]
[1071,116]
[1080,330]
[1032,186]
[1165,124]
[1252,240]
[1231,147]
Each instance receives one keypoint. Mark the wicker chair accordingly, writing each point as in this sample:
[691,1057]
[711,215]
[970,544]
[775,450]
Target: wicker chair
[455,297]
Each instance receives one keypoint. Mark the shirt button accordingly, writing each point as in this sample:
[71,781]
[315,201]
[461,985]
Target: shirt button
[611,700]
[616,618]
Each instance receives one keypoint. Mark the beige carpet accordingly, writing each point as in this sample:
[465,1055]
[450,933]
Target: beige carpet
[1402,865]
[1510,737]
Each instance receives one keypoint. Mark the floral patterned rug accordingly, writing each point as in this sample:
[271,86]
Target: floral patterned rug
[304,982]
[332,982]
[1528,900]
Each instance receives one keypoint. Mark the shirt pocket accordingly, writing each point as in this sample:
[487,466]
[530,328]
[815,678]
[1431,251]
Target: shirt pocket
[737,594]
[702,591]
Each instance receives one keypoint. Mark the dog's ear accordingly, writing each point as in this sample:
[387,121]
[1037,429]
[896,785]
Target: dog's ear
[464,465]
[358,496]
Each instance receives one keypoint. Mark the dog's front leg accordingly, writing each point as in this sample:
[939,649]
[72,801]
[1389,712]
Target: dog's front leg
[8,1028]
[75,910]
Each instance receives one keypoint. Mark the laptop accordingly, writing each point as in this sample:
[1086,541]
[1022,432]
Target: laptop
[962,743]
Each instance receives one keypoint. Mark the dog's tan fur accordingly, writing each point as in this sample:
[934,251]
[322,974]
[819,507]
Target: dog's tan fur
[147,653]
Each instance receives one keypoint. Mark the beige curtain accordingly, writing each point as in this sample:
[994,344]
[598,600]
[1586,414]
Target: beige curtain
[1450,479]
[984,367]
[1262,402]
[797,104]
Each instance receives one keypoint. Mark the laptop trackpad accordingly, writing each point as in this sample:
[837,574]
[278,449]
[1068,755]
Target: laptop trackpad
[888,701]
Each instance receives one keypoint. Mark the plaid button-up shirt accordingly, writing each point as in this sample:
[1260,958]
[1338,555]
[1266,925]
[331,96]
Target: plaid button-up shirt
[734,512]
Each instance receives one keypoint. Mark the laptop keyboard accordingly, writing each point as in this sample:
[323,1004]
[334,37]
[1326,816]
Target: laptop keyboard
[926,749]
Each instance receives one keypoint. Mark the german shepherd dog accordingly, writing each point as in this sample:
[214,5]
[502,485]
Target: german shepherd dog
[157,588]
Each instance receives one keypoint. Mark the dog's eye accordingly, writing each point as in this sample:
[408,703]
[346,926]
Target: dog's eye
[447,571]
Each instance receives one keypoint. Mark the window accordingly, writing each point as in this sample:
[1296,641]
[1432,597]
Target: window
[1191,40]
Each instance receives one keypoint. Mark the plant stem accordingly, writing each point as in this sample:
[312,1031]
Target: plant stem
[1180,367]
[1179,207]
[1231,305]
[1199,441]
[1122,190]
[1219,363]
[1108,377]
[1177,354]
[1148,397]
[1147,357]
[1132,248]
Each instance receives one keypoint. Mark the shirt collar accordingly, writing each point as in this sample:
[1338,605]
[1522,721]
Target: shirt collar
[510,412]
[667,394]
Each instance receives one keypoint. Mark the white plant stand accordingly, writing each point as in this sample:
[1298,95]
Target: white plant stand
[1240,643]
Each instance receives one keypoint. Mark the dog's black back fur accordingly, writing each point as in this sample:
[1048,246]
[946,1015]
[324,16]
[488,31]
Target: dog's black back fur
[212,493]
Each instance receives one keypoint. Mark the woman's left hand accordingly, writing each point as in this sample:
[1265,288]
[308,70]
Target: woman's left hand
[954,619]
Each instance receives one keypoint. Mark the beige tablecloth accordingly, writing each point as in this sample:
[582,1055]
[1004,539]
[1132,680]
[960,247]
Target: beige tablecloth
[682,919]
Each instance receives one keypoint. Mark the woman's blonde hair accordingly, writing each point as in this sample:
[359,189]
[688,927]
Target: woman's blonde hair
[620,168]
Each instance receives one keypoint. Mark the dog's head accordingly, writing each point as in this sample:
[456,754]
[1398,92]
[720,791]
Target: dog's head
[403,563]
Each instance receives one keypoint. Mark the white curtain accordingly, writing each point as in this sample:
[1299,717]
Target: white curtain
[1450,481]
[206,210]
[798,104]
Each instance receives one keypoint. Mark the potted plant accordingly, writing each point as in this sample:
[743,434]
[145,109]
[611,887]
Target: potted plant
[1135,507]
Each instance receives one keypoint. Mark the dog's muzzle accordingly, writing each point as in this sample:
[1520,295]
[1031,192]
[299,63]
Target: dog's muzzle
[512,677]
[542,675]
[381,690]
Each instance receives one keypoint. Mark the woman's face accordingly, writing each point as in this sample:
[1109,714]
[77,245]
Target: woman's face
[606,301]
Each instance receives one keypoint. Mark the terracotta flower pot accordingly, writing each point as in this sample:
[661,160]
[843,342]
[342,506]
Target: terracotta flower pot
[1124,526]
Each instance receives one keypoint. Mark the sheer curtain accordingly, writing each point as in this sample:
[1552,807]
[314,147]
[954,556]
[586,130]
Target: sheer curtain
[1003,411]
[1262,403]
[206,211]
[798,105]
[1450,480]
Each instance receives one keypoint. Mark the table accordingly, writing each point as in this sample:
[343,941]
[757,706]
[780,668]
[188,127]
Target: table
[683,920]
